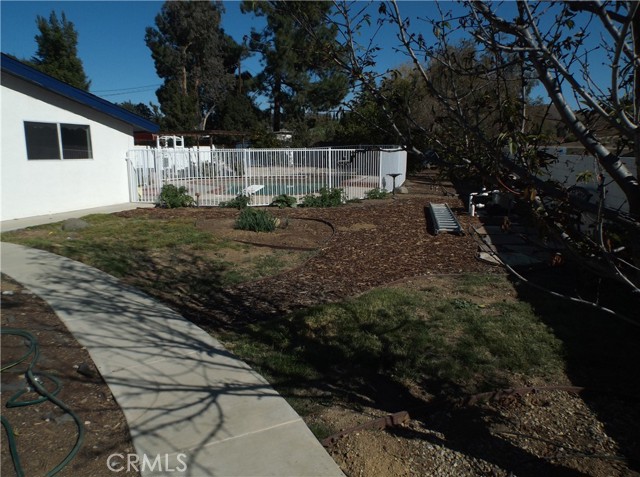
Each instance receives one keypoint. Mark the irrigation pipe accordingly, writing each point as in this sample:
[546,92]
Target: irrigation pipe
[507,187]
[35,383]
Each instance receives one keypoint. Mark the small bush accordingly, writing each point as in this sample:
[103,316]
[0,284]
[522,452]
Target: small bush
[239,202]
[256,220]
[377,193]
[283,201]
[172,197]
[327,198]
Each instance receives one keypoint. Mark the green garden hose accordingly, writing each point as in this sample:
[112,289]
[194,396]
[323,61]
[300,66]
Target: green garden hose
[12,447]
[45,395]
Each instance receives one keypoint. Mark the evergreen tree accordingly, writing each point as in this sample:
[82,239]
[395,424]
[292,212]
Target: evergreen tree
[196,60]
[237,113]
[298,74]
[150,112]
[57,53]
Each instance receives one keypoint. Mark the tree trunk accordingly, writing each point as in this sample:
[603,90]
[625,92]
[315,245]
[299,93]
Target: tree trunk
[609,161]
[277,103]
[205,118]
[635,32]
[635,26]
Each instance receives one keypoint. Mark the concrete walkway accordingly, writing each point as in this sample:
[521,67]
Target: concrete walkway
[185,397]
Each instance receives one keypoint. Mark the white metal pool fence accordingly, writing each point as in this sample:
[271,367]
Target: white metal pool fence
[213,176]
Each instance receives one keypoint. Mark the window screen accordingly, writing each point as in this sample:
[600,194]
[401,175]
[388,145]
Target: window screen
[76,141]
[42,140]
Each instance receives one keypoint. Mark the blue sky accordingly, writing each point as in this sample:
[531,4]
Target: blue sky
[110,42]
[111,39]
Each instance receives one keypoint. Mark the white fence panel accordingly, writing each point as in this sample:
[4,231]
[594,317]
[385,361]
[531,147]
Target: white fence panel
[213,176]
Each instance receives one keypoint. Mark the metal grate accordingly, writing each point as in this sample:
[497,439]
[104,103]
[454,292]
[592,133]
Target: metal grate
[443,219]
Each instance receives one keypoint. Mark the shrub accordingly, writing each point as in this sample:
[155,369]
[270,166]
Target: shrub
[256,220]
[327,198]
[283,200]
[172,197]
[239,202]
[377,193]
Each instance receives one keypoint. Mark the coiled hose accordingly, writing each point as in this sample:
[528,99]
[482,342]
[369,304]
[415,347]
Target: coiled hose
[36,383]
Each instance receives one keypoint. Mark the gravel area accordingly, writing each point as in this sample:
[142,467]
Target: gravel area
[551,433]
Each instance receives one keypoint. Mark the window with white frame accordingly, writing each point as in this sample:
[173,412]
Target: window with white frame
[57,141]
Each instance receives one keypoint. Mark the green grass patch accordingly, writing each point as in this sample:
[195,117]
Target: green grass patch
[270,264]
[466,333]
[159,256]
[115,244]
[476,284]
[406,334]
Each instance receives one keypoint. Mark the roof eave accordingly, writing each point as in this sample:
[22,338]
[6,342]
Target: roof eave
[27,73]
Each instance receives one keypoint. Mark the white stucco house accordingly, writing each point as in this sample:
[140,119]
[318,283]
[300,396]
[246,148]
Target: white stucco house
[63,149]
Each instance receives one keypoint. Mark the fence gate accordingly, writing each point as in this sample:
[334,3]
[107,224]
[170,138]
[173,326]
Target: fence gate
[213,176]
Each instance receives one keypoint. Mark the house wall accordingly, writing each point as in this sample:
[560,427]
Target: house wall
[42,187]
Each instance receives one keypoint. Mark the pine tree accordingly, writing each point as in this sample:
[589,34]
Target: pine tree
[57,53]
[196,60]
[298,75]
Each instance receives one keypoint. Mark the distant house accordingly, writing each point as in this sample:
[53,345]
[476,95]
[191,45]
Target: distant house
[63,149]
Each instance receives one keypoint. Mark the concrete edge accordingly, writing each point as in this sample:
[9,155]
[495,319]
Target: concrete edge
[23,223]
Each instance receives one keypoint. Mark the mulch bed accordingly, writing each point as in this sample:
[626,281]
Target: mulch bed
[374,243]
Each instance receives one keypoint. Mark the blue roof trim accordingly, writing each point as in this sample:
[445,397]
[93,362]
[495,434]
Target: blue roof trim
[21,70]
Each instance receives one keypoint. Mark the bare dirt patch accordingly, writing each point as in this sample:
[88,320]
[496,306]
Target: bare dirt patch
[45,434]
[549,433]
[296,234]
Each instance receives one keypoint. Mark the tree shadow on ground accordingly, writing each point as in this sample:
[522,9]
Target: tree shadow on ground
[331,368]
[176,394]
[198,290]
[599,354]
[601,351]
